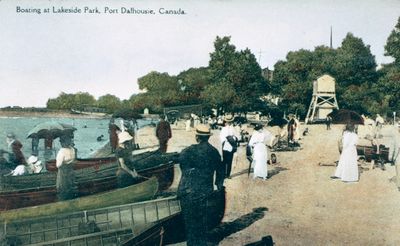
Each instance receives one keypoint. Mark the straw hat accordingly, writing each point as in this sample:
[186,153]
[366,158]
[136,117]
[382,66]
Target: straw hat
[123,137]
[228,118]
[203,130]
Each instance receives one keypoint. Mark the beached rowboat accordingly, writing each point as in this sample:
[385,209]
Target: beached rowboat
[148,164]
[141,160]
[94,224]
[48,194]
[142,191]
[132,224]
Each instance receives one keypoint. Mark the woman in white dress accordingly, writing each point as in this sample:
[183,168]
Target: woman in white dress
[260,152]
[347,169]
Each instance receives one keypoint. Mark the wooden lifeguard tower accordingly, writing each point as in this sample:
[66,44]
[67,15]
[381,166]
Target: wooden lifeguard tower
[323,100]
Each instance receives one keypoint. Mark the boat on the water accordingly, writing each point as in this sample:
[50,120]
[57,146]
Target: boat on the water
[88,185]
[140,223]
[144,190]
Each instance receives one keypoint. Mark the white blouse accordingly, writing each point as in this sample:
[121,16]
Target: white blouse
[65,156]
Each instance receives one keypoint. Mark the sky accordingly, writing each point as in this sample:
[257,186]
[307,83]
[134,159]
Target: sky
[42,55]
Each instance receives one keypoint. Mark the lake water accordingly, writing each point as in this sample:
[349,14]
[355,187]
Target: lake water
[85,137]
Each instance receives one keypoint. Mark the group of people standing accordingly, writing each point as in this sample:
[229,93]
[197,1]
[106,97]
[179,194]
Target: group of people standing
[201,161]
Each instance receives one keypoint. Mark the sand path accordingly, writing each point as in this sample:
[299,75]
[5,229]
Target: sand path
[304,206]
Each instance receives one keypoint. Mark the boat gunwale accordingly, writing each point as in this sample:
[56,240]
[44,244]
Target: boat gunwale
[9,215]
[81,180]
[65,215]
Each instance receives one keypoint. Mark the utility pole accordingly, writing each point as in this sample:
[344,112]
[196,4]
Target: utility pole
[259,56]
[331,39]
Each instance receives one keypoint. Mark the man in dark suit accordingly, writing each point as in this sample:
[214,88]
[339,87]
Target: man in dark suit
[198,163]
[163,133]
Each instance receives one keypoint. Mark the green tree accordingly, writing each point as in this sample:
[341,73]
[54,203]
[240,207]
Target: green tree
[63,101]
[192,82]
[219,95]
[109,102]
[141,101]
[392,47]
[236,78]
[355,64]
[388,86]
[293,78]
[82,99]
[161,89]
[352,65]
[71,101]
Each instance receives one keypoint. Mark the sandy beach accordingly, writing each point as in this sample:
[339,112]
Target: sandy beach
[299,204]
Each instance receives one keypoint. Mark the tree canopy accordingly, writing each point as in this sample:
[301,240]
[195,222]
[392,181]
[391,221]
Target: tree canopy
[236,78]
[233,81]
[352,65]
[71,101]
[392,47]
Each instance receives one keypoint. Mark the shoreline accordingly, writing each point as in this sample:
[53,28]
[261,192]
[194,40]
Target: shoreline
[60,114]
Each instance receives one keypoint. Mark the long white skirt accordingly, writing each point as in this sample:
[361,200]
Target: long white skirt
[260,157]
[347,169]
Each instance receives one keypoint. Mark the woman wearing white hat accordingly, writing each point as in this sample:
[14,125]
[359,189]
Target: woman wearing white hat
[125,175]
[35,165]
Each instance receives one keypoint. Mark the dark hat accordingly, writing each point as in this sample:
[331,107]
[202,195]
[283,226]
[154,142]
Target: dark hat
[258,126]
[203,130]
[350,127]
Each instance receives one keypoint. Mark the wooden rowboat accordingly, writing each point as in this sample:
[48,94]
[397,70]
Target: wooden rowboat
[134,193]
[164,172]
[141,160]
[131,224]
[83,163]
[174,229]
[91,225]
[48,194]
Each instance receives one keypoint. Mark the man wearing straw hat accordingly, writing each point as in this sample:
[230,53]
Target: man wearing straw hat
[198,163]
[229,138]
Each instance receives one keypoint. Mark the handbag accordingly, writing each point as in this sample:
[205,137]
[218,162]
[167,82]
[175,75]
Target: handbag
[233,142]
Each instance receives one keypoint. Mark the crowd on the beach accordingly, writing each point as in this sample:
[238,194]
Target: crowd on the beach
[258,151]
[203,166]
